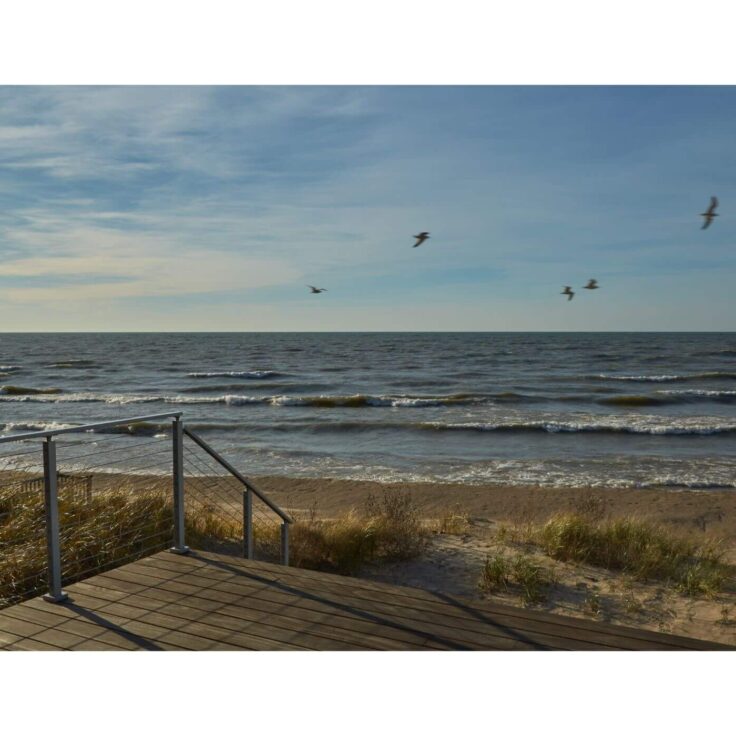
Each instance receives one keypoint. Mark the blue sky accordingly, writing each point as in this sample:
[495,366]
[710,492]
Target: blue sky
[211,208]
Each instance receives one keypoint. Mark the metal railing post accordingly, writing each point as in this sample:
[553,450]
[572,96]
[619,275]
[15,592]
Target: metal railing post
[53,543]
[179,547]
[285,543]
[247,524]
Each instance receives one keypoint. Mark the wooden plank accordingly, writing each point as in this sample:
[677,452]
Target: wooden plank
[46,618]
[11,625]
[193,643]
[90,645]
[6,639]
[57,638]
[124,639]
[32,645]
[80,627]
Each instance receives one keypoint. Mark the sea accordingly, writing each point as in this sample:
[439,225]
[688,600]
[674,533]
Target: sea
[642,410]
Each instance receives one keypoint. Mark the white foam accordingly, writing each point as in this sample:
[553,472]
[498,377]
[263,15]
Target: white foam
[234,374]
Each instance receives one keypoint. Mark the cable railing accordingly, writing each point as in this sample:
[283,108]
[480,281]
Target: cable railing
[237,498]
[77,501]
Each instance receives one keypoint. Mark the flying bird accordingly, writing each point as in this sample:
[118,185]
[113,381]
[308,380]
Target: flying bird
[315,290]
[710,213]
[592,284]
[420,239]
[570,293]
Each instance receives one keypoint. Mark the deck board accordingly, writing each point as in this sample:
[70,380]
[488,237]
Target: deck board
[206,601]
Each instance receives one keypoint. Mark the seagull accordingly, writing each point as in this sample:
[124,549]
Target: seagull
[592,284]
[570,293]
[710,213]
[420,239]
[315,290]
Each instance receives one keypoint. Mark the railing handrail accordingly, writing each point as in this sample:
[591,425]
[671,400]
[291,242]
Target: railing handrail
[245,481]
[87,427]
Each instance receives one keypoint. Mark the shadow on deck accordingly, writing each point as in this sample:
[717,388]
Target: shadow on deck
[206,601]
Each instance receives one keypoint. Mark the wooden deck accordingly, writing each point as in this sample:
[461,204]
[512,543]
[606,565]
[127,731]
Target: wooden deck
[205,601]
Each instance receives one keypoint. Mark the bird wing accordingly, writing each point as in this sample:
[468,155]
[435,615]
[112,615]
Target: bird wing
[570,295]
[713,203]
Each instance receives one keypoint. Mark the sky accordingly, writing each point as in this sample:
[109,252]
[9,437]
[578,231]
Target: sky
[212,208]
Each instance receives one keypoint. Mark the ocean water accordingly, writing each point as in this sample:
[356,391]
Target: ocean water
[555,409]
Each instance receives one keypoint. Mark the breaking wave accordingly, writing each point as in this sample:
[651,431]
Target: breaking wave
[686,427]
[73,364]
[719,375]
[19,427]
[237,374]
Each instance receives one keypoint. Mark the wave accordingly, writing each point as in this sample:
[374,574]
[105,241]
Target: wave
[73,364]
[322,401]
[19,427]
[359,400]
[641,425]
[697,392]
[25,391]
[719,375]
[137,429]
[686,395]
[237,374]
[692,485]
[598,427]
[715,353]
[635,401]
[204,388]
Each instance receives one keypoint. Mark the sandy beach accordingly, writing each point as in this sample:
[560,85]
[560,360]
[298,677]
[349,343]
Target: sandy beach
[712,511]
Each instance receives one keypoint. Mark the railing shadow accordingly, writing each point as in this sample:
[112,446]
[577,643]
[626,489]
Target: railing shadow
[139,641]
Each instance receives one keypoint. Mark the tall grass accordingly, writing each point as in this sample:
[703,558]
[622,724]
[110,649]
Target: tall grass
[111,528]
[502,573]
[386,528]
[644,550]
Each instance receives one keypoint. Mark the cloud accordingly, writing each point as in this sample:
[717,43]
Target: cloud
[119,265]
